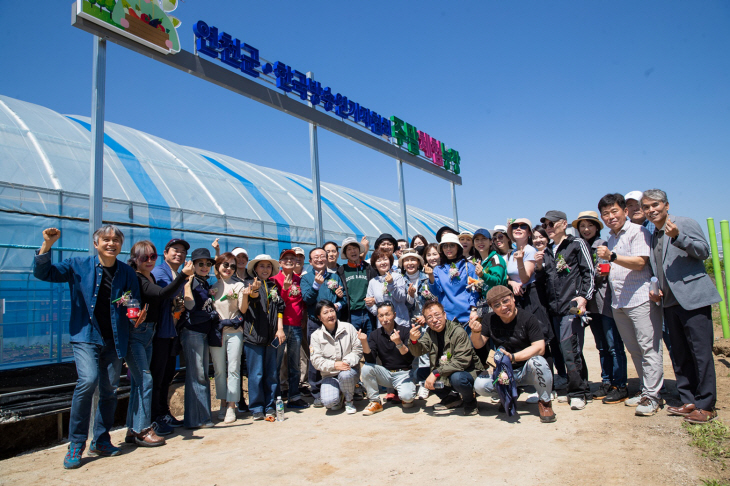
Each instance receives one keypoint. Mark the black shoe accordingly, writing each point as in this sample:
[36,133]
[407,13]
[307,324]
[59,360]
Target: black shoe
[304,391]
[448,402]
[297,404]
[471,408]
[242,407]
[616,395]
[602,391]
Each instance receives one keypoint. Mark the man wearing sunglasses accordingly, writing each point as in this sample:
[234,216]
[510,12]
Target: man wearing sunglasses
[519,335]
[569,269]
[453,361]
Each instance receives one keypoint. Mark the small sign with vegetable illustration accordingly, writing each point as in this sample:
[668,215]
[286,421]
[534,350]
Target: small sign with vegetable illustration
[145,21]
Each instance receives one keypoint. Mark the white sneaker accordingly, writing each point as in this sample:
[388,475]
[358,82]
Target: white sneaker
[562,398]
[533,398]
[633,401]
[495,397]
[350,408]
[423,393]
[577,404]
[230,416]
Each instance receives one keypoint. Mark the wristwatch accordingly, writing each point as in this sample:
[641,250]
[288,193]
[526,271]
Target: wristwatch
[613,256]
[398,346]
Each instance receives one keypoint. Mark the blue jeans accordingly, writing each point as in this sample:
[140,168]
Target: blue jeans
[616,352]
[535,372]
[313,376]
[293,345]
[602,347]
[95,365]
[197,385]
[263,378]
[463,383]
[139,354]
[360,319]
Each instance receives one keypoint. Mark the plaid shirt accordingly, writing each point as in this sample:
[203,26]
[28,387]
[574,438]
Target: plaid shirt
[630,288]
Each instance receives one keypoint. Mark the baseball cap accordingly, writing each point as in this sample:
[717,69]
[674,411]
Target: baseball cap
[554,216]
[177,241]
[238,250]
[635,195]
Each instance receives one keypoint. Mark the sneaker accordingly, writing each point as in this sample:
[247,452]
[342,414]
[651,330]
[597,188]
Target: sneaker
[577,403]
[547,415]
[317,403]
[373,408]
[646,407]
[495,397]
[423,393]
[162,428]
[602,391]
[242,407]
[258,415]
[339,404]
[170,420]
[448,402]
[299,403]
[616,395]
[148,438]
[222,413]
[207,425]
[633,401]
[390,396]
[471,408]
[533,398]
[562,398]
[560,382]
[350,408]
[305,392]
[359,395]
[230,416]
[104,449]
[130,437]
[407,404]
[73,456]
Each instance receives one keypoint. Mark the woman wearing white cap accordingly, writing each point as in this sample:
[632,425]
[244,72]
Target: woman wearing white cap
[466,238]
[449,281]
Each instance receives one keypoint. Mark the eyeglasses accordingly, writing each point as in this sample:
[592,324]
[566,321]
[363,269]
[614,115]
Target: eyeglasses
[228,265]
[205,264]
[434,317]
[502,303]
[522,226]
[147,258]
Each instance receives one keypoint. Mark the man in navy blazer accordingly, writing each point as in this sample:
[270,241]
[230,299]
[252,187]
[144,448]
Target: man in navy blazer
[99,329]
[686,294]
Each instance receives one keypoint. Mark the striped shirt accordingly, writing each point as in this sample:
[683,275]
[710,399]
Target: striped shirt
[630,288]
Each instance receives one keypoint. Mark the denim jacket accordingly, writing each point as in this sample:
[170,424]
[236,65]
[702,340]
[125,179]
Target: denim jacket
[84,276]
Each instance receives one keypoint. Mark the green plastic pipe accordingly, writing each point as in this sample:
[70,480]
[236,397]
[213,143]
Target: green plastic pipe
[725,235]
[718,277]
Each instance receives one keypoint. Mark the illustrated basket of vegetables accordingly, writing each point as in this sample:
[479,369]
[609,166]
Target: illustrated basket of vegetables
[150,30]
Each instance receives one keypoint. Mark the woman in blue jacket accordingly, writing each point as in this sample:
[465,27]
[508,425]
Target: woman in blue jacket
[449,281]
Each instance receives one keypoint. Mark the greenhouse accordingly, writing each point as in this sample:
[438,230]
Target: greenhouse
[44,182]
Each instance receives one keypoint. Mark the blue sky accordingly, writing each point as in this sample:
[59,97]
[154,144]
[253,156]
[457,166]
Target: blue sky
[550,104]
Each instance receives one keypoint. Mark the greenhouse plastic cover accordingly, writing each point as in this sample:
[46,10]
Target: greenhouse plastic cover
[154,189]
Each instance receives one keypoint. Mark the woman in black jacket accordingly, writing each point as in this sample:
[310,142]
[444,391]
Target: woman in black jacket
[139,352]
[263,331]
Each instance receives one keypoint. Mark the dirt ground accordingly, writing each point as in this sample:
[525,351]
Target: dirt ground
[603,444]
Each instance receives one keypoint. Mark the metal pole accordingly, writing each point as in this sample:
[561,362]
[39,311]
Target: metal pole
[402,189]
[725,235]
[718,276]
[96,189]
[453,205]
[316,193]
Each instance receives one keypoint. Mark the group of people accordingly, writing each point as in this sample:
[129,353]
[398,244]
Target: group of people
[410,319]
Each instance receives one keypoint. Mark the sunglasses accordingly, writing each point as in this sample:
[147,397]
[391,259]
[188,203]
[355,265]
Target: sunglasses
[522,226]
[550,224]
[228,265]
[147,258]
[502,303]
[205,264]
[500,236]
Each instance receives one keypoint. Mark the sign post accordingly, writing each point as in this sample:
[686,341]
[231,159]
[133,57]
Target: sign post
[453,205]
[316,195]
[402,190]
[97,139]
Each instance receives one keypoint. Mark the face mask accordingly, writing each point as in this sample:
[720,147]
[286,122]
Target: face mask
[420,249]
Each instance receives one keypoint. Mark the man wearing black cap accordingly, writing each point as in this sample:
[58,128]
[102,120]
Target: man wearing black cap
[165,341]
[569,269]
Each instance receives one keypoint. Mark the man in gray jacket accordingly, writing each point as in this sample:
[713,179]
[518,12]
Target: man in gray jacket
[686,294]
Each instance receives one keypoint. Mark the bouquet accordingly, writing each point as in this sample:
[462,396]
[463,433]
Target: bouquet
[273,294]
[560,264]
[124,299]
[212,291]
[426,293]
[294,291]
[502,378]
[445,358]
[332,284]
[454,272]
[231,295]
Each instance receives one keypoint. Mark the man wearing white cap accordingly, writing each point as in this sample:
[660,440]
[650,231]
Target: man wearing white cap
[635,213]
[356,275]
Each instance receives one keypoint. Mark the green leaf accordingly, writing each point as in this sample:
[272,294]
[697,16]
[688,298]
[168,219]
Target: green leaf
[169,5]
[175,21]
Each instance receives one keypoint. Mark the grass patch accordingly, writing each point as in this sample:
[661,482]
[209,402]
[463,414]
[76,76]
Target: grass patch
[714,482]
[712,438]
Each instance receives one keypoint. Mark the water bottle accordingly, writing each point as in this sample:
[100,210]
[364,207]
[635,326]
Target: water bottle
[279,409]
[655,288]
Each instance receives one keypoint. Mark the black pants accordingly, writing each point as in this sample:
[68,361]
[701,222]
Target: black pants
[569,329]
[692,336]
[313,376]
[162,368]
